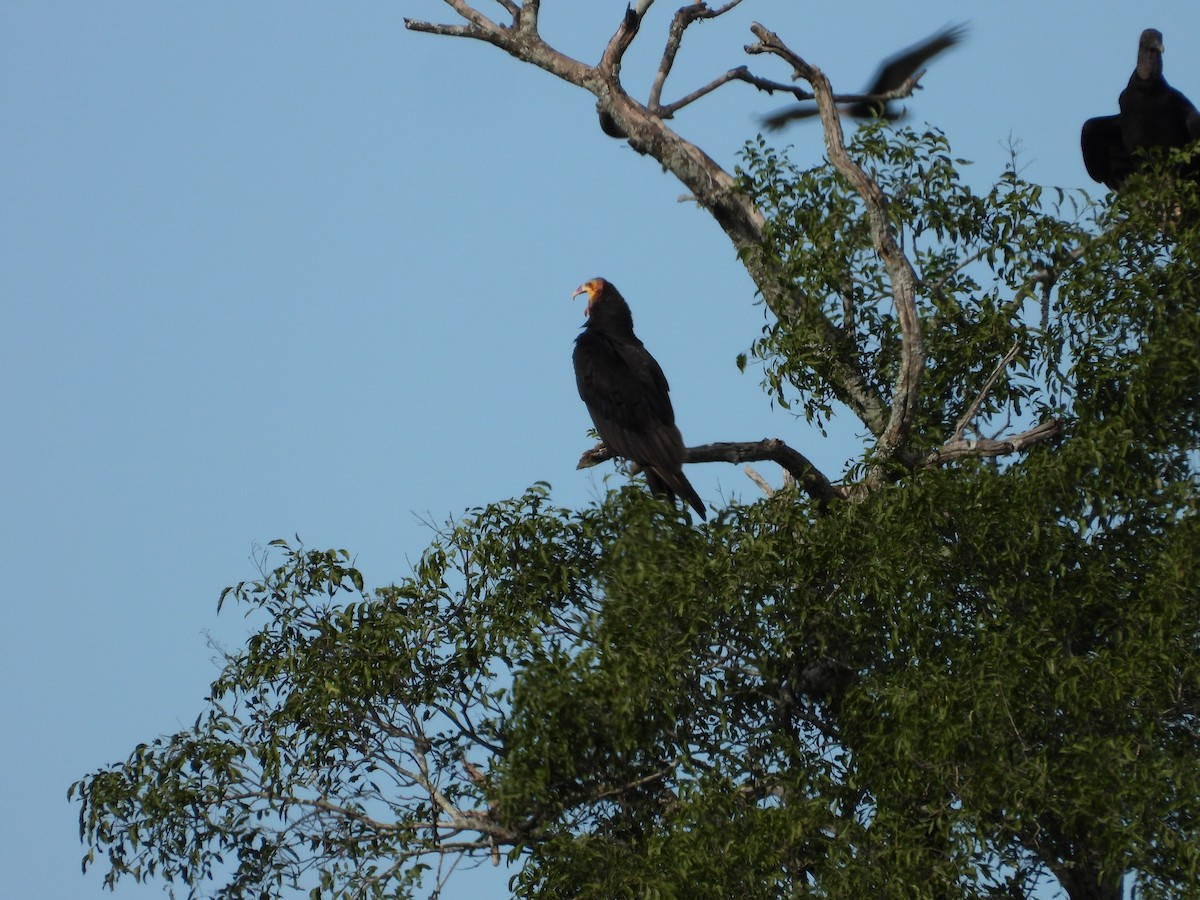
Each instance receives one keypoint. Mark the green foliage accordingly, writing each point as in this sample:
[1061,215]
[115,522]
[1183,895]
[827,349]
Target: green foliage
[969,679]
[974,256]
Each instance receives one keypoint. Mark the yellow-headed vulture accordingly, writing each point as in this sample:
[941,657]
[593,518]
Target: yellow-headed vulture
[626,393]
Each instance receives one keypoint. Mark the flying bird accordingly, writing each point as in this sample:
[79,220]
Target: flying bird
[1153,115]
[626,393]
[893,72]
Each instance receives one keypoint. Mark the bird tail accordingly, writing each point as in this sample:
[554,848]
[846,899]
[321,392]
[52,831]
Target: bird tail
[673,484]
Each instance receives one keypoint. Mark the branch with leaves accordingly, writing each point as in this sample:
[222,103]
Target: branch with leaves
[889,416]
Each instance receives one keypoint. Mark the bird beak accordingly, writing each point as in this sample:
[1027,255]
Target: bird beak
[585,288]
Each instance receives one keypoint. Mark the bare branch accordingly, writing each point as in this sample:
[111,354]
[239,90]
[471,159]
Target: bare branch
[469,31]
[526,22]
[610,62]
[684,16]
[988,447]
[666,112]
[512,8]
[472,15]
[763,484]
[811,480]
[987,386]
[741,73]
[770,86]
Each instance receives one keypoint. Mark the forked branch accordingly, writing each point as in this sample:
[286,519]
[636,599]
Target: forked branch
[684,16]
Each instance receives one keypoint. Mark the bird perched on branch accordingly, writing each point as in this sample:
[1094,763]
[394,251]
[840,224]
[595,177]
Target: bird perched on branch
[893,72]
[626,393]
[1153,115]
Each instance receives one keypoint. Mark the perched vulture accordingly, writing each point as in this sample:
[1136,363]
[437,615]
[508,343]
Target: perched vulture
[626,393]
[893,72]
[1153,115]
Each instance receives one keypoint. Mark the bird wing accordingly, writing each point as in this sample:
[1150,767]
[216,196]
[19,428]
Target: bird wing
[1193,122]
[1186,114]
[892,72]
[1104,154]
[778,120]
[897,69]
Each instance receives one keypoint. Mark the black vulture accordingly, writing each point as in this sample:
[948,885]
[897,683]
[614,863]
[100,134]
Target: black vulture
[893,72]
[1153,115]
[626,393]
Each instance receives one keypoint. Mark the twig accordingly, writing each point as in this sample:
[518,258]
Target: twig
[684,16]
[739,74]
[987,386]
[988,447]
[469,31]
[468,12]
[763,484]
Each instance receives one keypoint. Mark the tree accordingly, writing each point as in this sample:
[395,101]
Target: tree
[967,664]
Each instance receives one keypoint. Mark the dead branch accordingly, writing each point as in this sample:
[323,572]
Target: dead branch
[684,16]
[610,62]
[739,74]
[989,447]
[479,23]
[811,480]
[715,190]
[762,483]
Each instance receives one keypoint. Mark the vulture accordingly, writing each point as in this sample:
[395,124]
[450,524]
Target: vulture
[893,72]
[626,394]
[1153,115]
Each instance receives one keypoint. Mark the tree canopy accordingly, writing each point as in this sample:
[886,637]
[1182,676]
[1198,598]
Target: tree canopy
[962,667]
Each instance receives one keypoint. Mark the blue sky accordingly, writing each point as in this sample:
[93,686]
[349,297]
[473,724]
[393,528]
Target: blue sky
[285,268]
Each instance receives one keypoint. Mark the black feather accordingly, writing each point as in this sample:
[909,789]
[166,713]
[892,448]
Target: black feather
[627,395]
[1153,116]
[892,73]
